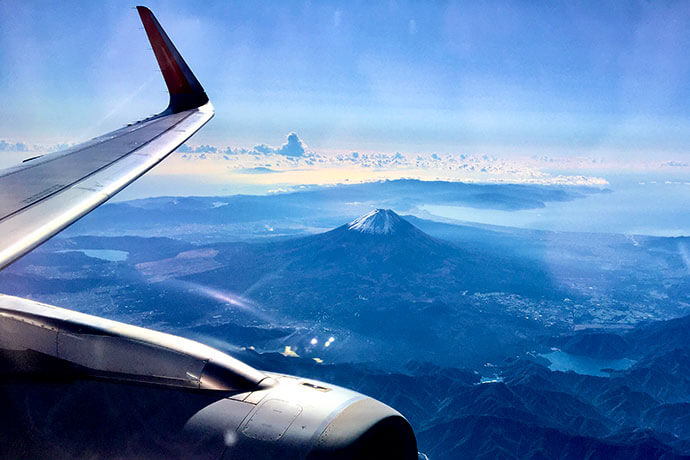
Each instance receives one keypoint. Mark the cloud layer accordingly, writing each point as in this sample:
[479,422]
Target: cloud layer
[302,165]
[293,163]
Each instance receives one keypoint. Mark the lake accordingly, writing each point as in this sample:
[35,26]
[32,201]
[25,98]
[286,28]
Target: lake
[564,362]
[111,255]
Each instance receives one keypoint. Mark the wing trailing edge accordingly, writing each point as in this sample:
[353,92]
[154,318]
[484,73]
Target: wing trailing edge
[88,346]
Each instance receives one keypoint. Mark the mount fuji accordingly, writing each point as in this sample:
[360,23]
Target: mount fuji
[376,243]
[387,282]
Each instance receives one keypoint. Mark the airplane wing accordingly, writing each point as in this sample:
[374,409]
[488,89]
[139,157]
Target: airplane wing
[44,195]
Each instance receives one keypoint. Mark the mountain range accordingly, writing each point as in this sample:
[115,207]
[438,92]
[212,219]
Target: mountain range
[457,326]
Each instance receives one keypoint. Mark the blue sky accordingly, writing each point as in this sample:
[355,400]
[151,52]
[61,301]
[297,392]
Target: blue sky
[610,80]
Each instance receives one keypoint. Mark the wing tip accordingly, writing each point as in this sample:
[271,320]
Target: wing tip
[185,90]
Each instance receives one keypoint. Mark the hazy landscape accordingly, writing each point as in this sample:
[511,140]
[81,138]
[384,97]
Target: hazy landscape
[494,341]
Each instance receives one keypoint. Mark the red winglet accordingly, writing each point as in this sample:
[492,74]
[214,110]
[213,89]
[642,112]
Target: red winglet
[185,90]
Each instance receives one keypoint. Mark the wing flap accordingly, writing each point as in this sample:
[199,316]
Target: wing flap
[102,348]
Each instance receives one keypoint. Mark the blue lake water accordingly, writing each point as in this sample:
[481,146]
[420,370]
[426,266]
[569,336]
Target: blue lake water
[564,362]
[111,255]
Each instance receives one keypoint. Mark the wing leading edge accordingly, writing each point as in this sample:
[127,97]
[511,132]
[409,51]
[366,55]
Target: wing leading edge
[43,196]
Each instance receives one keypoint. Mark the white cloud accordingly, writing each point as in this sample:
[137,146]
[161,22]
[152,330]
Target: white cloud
[184,148]
[676,164]
[294,147]
[13,147]
[263,149]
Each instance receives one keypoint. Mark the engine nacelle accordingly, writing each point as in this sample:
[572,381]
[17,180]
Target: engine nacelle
[299,418]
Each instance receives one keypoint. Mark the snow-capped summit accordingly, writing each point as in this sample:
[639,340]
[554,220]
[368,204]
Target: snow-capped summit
[380,241]
[378,221]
